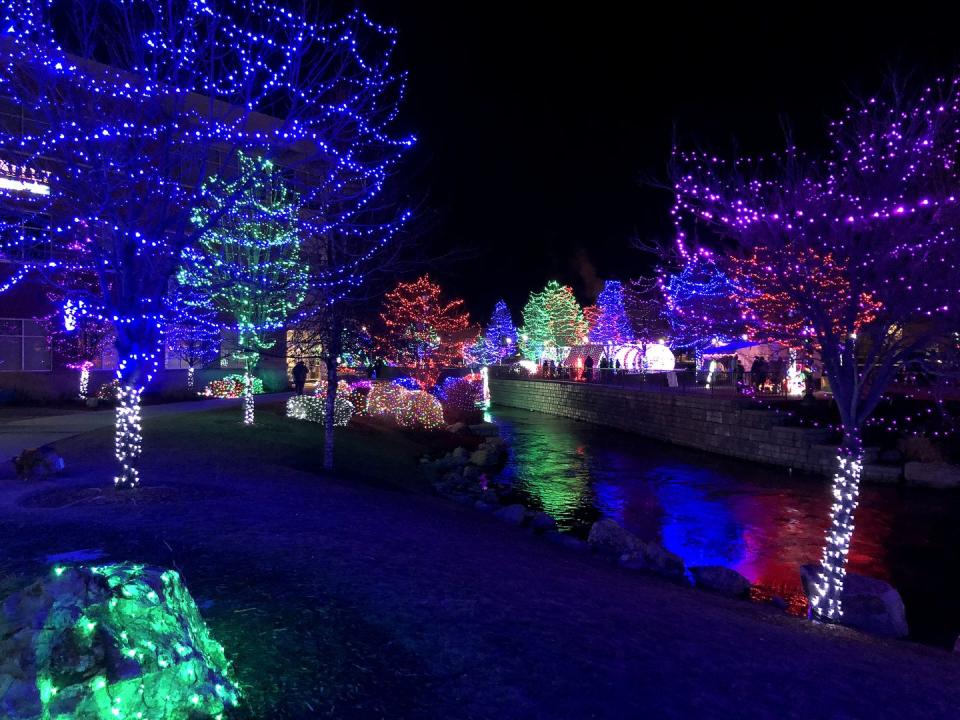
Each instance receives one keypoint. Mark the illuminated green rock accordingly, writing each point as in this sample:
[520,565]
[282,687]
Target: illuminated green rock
[106,642]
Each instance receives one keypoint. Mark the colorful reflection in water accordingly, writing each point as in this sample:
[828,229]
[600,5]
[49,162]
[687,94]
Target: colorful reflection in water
[763,522]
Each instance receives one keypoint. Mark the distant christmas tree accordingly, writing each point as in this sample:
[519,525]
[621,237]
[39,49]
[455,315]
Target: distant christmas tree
[500,332]
[552,319]
[612,326]
[248,270]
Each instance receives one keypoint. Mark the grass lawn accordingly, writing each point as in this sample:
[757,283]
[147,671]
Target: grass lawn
[360,595]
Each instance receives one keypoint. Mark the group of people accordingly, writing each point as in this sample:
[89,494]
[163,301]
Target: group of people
[606,368]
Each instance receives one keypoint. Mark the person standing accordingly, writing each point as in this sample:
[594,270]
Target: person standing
[588,368]
[300,372]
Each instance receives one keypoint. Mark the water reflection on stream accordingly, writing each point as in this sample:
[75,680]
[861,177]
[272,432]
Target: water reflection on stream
[759,520]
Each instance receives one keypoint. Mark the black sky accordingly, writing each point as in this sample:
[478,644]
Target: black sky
[539,125]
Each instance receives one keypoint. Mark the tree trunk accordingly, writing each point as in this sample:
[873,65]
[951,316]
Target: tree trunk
[334,346]
[247,398]
[328,419]
[138,345]
[84,381]
[128,443]
[190,378]
[826,604]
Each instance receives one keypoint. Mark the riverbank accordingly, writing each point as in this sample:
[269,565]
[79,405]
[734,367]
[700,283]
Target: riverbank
[721,424]
[361,595]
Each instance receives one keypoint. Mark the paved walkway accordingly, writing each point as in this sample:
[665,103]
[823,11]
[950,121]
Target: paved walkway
[36,431]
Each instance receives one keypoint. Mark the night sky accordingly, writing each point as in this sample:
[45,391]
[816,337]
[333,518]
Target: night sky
[544,132]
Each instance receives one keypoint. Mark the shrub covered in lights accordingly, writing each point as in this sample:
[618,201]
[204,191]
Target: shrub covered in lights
[461,398]
[387,400]
[357,393]
[409,409]
[110,641]
[108,391]
[423,411]
[231,386]
[313,409]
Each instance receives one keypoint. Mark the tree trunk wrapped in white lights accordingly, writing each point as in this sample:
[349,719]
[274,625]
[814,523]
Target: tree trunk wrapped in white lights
[128,441]
[84,380]
[248,415]
[826,604]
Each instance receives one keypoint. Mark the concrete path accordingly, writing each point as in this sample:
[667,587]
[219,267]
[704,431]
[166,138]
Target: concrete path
[36,431]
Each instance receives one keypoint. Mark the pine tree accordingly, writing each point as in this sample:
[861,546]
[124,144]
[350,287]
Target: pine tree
[248,269]
[611,327]
[552,319]
[500,332]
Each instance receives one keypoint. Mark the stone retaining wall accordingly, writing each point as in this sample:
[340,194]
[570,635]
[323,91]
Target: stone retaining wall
[722,425]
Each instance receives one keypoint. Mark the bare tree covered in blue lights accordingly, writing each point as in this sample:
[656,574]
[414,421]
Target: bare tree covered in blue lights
[699,305]
[132,106]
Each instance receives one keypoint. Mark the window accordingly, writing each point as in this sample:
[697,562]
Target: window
[107,360]
[229,344]
[23,347]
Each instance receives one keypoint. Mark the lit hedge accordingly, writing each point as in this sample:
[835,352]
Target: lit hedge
[312,408]
[388,401]
[416,409]
[231,386]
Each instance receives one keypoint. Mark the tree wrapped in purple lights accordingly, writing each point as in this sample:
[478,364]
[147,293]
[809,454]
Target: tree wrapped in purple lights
[857,253]
[139,103]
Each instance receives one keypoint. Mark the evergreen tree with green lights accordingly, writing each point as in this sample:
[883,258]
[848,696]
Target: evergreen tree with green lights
[248,270]
[552,320]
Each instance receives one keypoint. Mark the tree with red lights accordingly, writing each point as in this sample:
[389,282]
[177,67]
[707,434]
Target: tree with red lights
[421,330]
[858,253]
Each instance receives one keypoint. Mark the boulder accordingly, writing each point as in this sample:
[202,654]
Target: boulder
[512,514]
[485,429]
[471,472]
[890,456]
[722,580]
[89,637]
[663,562]
[919,448]
[482,506]
[871,605]
[933,474]
[607,537]
[566,540]
[459,456]
[654,558]
[458,427]
[633,561]
[37,464]
[485,456]
[542,522]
